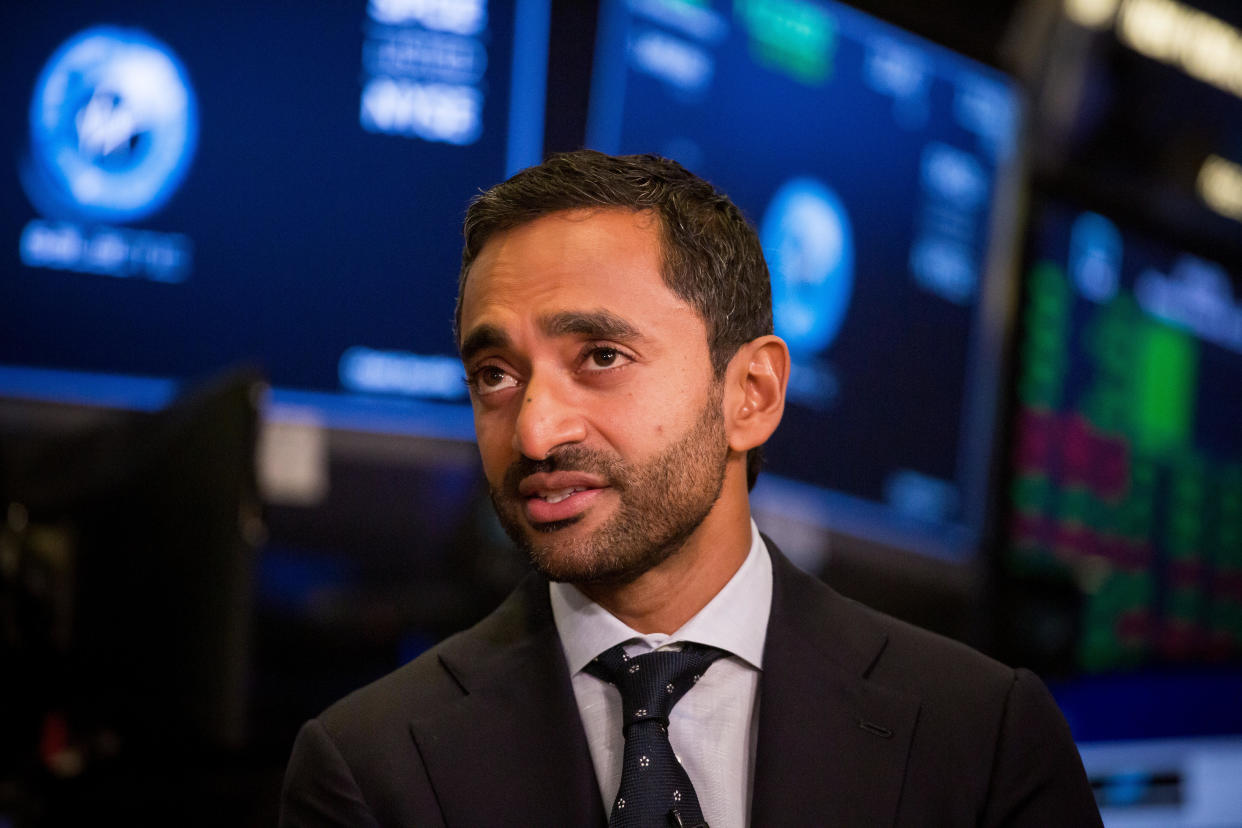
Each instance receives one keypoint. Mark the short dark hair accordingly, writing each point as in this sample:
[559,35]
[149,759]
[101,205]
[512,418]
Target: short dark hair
[712,256]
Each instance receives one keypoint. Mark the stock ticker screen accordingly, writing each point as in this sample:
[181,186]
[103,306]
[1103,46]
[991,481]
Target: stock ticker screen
[1127,459]
[880,170]
[188,186]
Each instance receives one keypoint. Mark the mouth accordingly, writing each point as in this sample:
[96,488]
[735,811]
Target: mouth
[558,496]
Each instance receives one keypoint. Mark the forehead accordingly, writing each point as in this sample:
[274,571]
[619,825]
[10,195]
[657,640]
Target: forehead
[577,260]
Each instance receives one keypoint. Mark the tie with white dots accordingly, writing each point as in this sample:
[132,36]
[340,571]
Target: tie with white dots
[655,790]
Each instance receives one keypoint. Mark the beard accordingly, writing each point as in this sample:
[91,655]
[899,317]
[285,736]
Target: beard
[663,501]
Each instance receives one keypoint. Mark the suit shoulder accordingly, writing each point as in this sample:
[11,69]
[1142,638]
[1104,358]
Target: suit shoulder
[418,685]
[886,650]
[927,660]
[961,690]
[421,686]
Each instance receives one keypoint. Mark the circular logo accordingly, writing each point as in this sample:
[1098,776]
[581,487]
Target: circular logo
[113,126]
[1095,256]
[809,246]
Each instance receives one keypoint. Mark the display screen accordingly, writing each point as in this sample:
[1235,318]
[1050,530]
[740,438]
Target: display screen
[1127,460]
[190,186]
[879,170]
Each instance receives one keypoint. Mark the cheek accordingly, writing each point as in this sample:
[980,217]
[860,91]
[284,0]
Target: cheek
[627,421]
[638,429]
[495,450]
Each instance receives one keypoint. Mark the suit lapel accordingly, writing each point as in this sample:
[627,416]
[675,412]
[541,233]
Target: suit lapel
[512,745]
[832,746]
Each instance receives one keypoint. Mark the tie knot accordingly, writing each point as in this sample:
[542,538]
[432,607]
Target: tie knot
[652,683]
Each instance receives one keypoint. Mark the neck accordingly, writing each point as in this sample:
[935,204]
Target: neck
[665,597]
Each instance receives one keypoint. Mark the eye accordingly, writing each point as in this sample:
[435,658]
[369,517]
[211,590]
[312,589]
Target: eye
[603,357]
[489,379]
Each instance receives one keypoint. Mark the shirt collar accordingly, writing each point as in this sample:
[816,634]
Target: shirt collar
[735,620]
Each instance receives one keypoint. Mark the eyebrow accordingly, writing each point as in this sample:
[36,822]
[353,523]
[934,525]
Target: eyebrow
[594,324]
[482,338]
[600,324]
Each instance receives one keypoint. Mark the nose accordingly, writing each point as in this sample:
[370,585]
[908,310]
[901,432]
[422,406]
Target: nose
[548,418]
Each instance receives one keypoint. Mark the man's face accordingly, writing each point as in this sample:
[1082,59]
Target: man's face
[597,416]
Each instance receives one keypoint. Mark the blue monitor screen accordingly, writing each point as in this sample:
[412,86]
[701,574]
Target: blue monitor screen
[188,186]
[880,170]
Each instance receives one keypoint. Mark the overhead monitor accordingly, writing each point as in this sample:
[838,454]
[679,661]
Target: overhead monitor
[881,171]
[190,186]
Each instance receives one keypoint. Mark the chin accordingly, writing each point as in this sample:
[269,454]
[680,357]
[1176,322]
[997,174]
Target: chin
[597,558]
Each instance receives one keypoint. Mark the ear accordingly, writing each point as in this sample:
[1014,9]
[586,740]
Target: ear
[755,391]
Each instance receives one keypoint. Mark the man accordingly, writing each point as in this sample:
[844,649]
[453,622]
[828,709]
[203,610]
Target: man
[614,320]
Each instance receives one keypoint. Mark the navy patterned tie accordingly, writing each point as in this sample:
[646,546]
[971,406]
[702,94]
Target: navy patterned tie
[655,789]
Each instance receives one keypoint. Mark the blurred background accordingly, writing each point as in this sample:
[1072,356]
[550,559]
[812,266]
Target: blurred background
[237,477]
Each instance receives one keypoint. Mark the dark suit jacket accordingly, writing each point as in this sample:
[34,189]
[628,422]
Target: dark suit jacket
[863,721]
